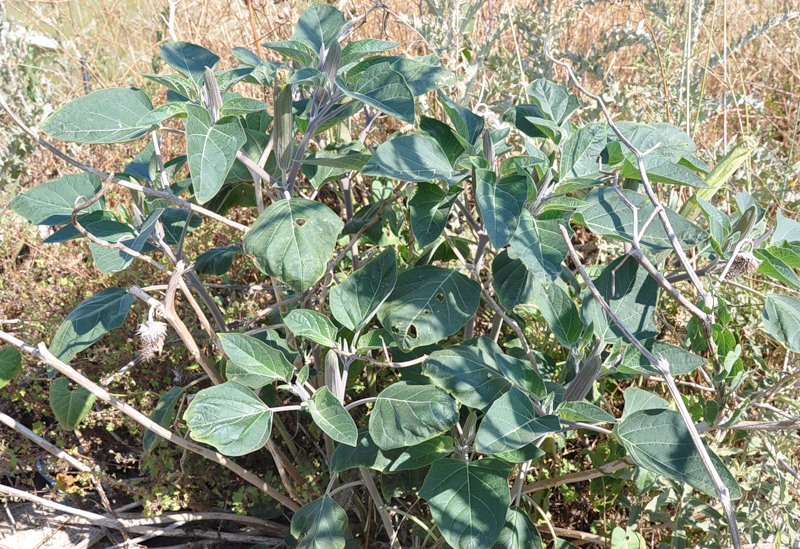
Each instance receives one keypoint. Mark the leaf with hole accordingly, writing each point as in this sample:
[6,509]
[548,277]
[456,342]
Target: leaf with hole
[253,363]
[293,241]
[105,116]
[69,405]
[427,305]
[229,417]
[659,441]
[356,300]
[511,423]
[468,501]
[406,415]
[89,321]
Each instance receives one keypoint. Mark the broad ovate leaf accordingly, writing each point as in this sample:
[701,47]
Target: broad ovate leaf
[311,325]
[330,415]
[253,363]
[659,441]
[10,361]
[468,501]
[52,203]
[89,321]
[406,415]
[211,150]
[358,297]
[229,417]
[412,157]
[70,405]
[511,423]
[500,203]
[104,116]
[320,524]
[428,304]
[781,320]
[293,241]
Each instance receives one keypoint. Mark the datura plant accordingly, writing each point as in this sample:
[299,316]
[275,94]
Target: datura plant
[448,303]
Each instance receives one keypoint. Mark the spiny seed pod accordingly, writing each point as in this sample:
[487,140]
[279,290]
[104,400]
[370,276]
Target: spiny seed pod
[152,334]
[743,264]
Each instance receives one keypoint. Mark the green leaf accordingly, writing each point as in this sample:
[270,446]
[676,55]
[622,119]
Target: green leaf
[412,157]
[320,524]
[781,320]
[511,423]
[330,416]
[778,263]
[382,87]
[539,245]
[501,203]
[70,406]
[230,418]
[211,150]
[10,361]
[583,411]
[405,415]
[237,106]
[293,241]
[52,203]
[680,361]
[631,293]
[638,399]
[580,153]
[427,305]
[513,282]
[561,315]
[295,50]
[358,297]
[658,440]
[468,501]
[357,49]
[319,27]
[477,373]
[102,224]
[188,59]
[518,532]
[216,261]
[253,363]
[606,214]
[554,101]
[311,325]
[104,116]
[367,454]
[468,125]
[163,414]
[164,112]
[89,321]
[112,260]
[786,229]
[429,209]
